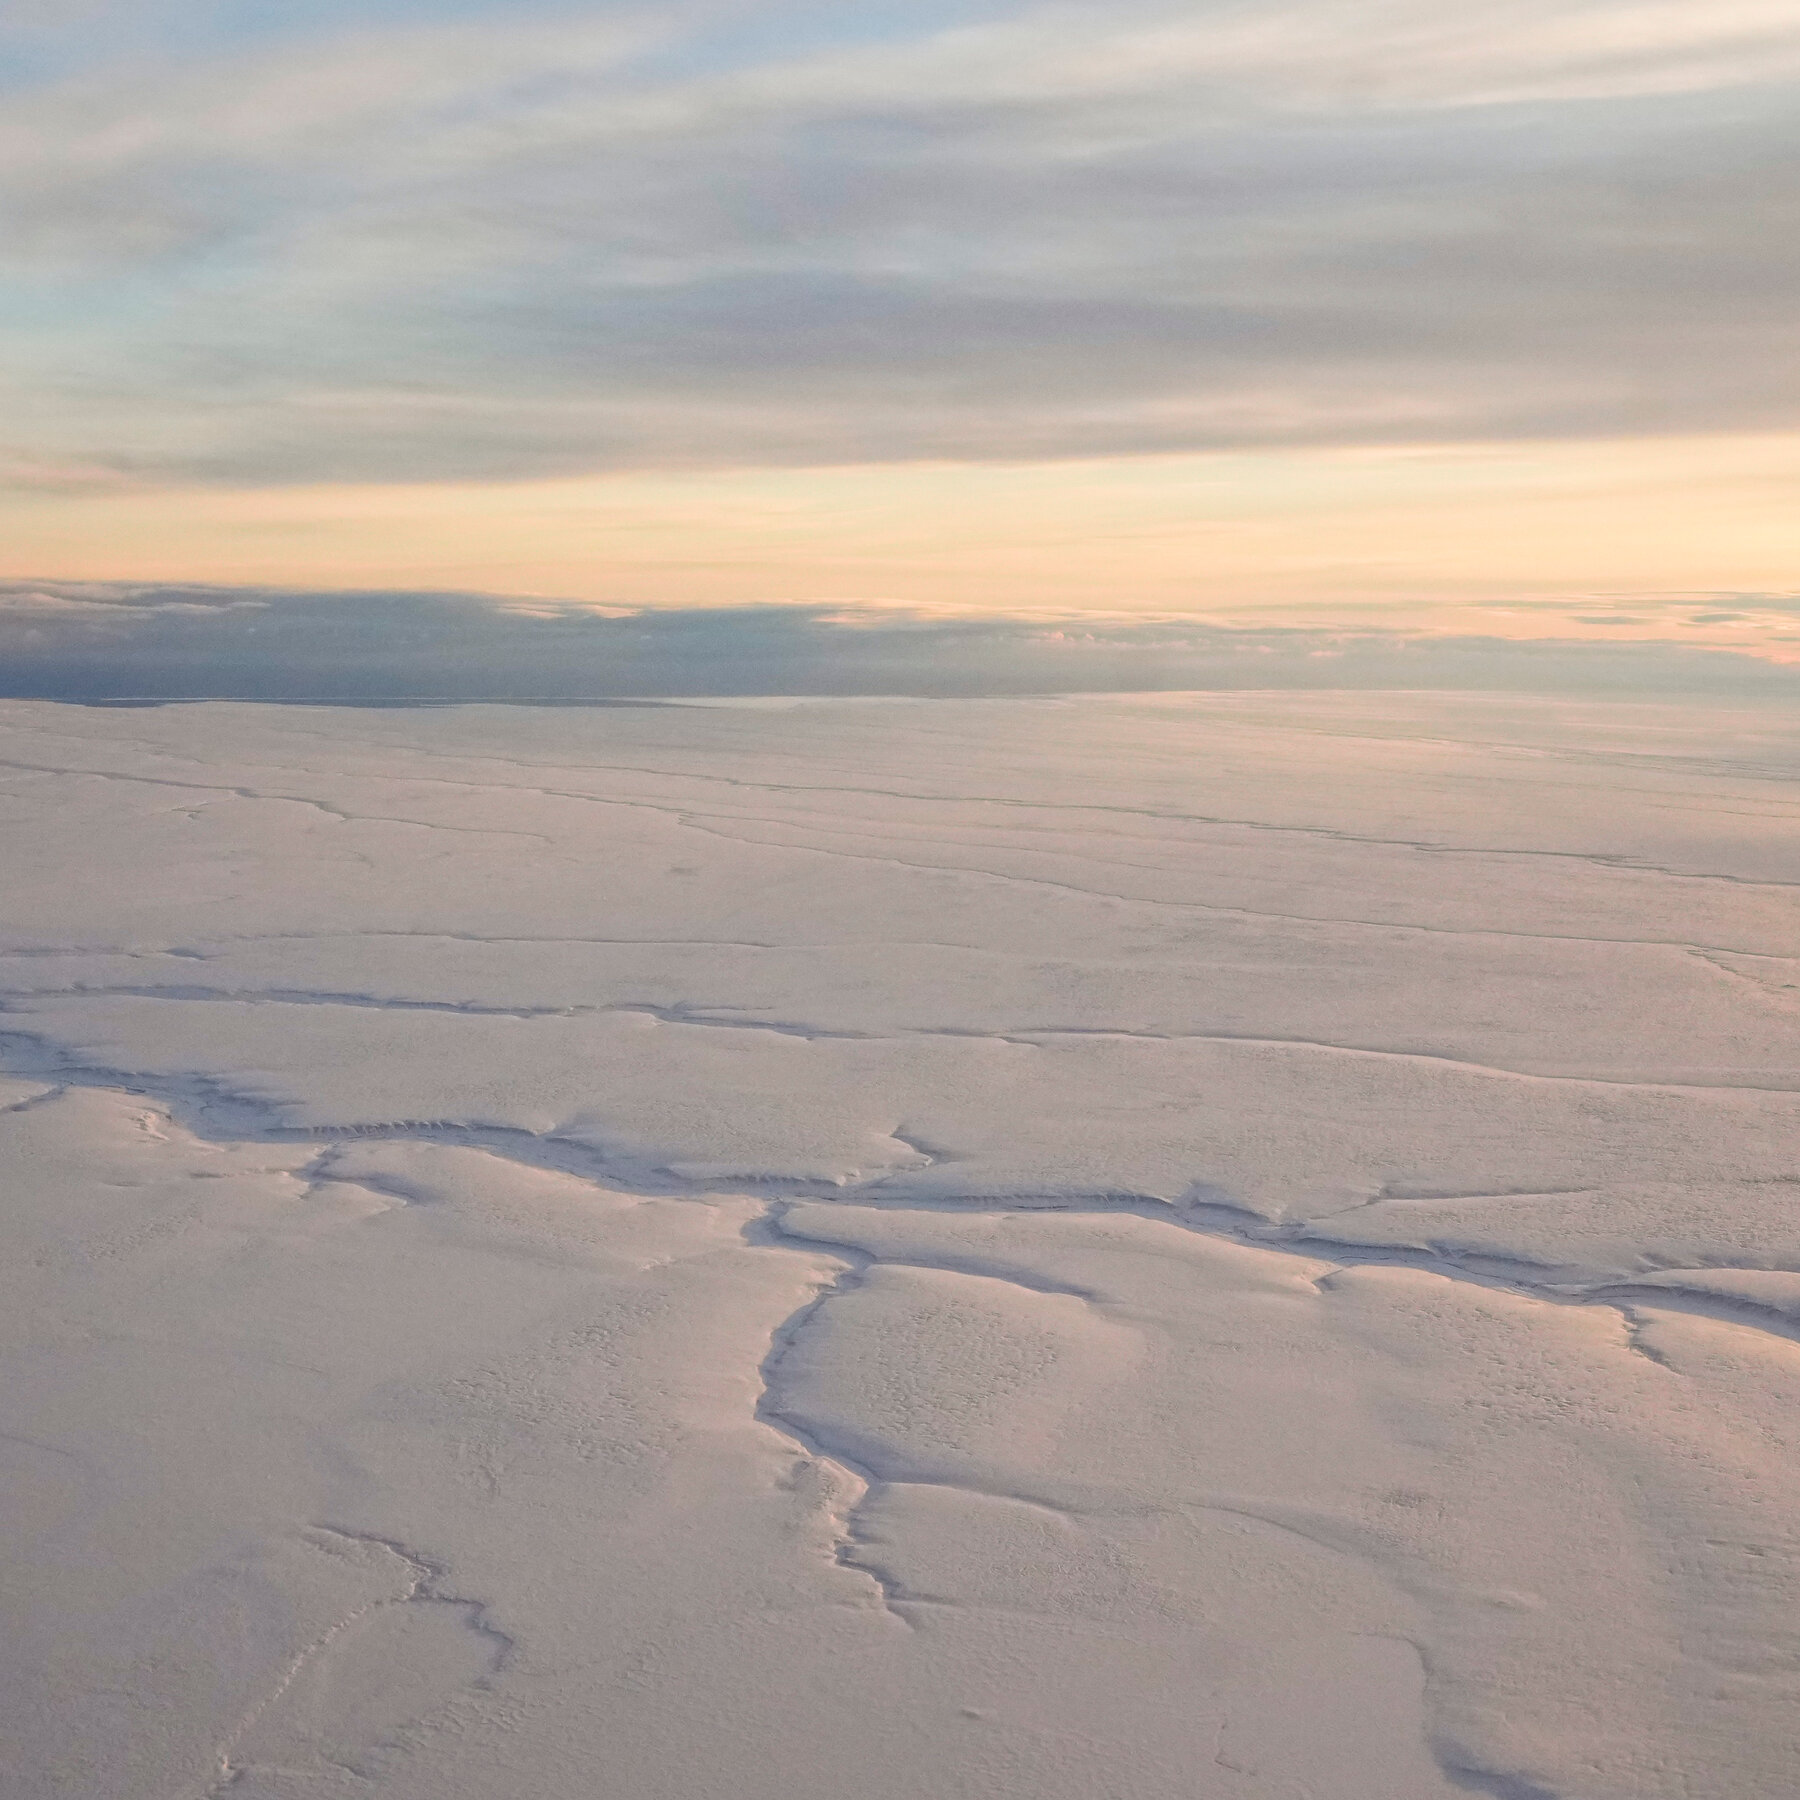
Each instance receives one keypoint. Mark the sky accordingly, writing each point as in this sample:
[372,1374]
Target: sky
[1324,314]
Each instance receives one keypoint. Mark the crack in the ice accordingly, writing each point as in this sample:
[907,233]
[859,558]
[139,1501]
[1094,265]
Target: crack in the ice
[212,1110]
[216,1112]
[853,1544]
[864,1484]
[693,818]
[855,1548]
[984,1268]
[31,1102]
[1769,990]
[219,945]
[1604,859]
[338,815]
[1620,861]
[1696,1301]
[1635,1325]
[423,1588]
[720,1018]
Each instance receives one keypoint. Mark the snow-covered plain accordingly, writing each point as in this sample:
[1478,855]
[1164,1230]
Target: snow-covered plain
[1104,1249]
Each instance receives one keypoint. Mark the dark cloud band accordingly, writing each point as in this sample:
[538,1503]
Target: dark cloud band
[89,642]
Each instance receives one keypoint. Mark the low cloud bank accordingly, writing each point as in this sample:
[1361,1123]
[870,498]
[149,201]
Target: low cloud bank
[94,643]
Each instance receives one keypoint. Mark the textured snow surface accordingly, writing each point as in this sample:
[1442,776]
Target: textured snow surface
[1238,1246]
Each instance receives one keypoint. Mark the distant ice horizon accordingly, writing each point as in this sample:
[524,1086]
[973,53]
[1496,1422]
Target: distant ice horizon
[111,642]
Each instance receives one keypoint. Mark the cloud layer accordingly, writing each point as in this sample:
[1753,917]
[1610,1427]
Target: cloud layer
[94,642]
[424,242]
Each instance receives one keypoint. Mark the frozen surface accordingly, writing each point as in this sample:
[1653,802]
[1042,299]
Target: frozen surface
[1234,1245]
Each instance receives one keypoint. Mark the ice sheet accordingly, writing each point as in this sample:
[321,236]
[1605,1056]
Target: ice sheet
[1230,1244]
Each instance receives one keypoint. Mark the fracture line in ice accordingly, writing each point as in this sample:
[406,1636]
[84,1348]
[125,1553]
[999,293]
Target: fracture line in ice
[731,1019]
[213,1110]
[422,1587]
[853,1542]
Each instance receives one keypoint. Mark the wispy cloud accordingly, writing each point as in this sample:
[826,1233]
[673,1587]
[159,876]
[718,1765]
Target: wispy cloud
[494,242]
